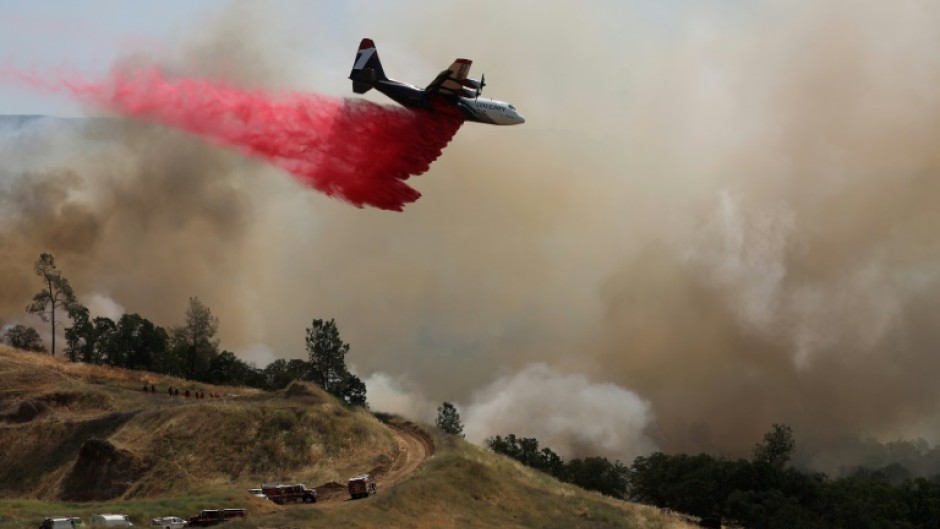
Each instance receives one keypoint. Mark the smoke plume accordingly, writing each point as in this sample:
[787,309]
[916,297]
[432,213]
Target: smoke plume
[566,413]
[726,211]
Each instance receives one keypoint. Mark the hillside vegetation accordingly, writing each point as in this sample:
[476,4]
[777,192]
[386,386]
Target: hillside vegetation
[81,439]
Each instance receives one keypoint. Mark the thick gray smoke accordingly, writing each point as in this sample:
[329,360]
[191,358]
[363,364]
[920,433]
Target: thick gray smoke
[727,211]
[567,413]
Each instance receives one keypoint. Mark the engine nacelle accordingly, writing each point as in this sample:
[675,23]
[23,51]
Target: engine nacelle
[469,92]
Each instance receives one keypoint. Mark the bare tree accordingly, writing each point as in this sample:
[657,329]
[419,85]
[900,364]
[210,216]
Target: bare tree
[56,293]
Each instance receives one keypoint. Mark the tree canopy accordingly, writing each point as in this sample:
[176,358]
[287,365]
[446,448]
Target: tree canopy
[190,350]
[592,473]
[25,338]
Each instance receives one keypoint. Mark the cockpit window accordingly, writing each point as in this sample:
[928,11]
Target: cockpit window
[512,107]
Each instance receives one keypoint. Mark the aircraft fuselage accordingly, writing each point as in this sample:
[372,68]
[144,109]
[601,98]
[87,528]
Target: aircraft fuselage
[451,92]
[479,109]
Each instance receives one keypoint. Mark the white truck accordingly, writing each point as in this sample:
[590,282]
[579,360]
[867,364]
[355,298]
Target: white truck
[111,520]
[60,522]
[168,522]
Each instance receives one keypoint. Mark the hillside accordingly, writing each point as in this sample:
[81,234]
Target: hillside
[84,439]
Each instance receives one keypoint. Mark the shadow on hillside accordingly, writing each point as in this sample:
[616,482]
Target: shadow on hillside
[43,448]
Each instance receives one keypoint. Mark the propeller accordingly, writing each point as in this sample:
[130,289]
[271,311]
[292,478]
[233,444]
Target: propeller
[482,84]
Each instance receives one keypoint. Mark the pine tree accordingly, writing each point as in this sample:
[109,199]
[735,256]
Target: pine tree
[448,420]
[327,354]
[56,293]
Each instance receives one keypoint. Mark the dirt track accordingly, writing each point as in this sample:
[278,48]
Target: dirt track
[414,446]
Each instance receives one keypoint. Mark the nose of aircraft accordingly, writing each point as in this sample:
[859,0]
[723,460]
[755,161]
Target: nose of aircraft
[520,119]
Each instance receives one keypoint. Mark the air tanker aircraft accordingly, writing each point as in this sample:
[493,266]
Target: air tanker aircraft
[449,93]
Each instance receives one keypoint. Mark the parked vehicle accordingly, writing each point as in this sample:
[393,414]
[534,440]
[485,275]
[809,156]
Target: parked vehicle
[168,522]
[208,517]
[281,493]
[362,486]
[257,493]
[61,522]
[111,520]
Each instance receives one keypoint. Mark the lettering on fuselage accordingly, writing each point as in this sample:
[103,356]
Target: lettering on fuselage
[489,106]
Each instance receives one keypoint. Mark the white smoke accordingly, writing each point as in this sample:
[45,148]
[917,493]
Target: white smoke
[398,395]
[103,305]
[592,228]
[745,251]
[565,412]
[259,353]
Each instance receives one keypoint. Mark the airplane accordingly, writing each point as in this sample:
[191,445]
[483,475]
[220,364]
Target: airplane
[451,92]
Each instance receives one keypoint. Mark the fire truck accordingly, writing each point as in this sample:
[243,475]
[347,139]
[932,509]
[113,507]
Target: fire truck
[209,517]
[362,486]
[280,493]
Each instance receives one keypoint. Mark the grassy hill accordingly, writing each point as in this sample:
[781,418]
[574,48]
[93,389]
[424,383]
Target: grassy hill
[81,440]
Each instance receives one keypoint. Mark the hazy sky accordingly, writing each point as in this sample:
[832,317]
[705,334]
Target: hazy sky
[718,215]
[88,36]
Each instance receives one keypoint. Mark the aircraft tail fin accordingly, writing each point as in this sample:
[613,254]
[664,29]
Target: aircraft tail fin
[367,69]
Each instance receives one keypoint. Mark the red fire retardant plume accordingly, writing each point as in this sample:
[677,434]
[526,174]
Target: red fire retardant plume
[352,149]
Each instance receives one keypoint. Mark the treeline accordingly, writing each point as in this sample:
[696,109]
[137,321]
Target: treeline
[591,473]
[764,493]
[897,460]
[189,351]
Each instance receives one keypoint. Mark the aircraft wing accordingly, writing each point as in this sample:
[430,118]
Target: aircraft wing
[450,80]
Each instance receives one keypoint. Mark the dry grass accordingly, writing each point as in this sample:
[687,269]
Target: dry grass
[206,453]
[239,440]
[464,486]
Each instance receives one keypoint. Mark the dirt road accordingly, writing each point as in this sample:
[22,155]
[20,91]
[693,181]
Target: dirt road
[414,446]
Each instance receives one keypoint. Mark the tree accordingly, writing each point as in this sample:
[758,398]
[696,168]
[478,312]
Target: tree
[448,420]
[776,448]
[56,293]
[327,353]
[140,342]
[25,338]
[592,473]
[327,365]
[354,391]
[280,373]
[226,368]
[526,451]
[80,337]
[195,342]
[106,344]
[599,474]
